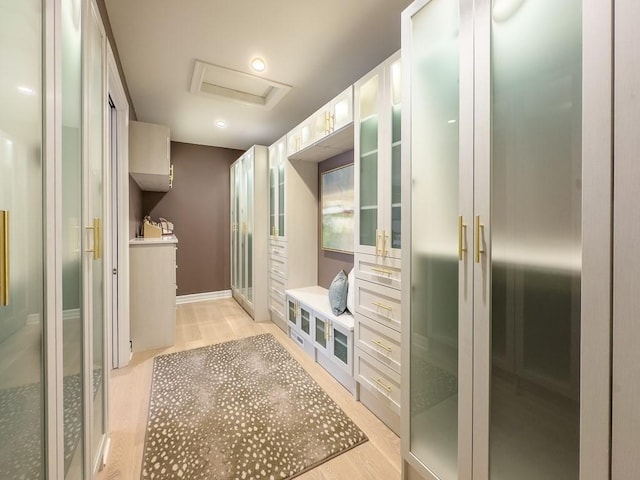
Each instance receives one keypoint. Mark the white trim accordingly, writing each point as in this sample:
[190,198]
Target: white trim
[121,342]
[202,297]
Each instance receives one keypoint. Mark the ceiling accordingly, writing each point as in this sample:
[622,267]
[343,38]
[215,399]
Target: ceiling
[317,48]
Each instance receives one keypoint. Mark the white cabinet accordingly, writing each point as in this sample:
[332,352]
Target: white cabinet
[326,133]
[249,232]
[293,204]
[153,292]
[506,230]
[327,337]
[377,151]
[150,156]
[377,261]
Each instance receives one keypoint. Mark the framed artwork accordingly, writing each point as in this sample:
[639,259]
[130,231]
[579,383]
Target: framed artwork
[337,209]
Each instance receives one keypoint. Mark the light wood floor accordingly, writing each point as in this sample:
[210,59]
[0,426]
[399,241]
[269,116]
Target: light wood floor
[205,323]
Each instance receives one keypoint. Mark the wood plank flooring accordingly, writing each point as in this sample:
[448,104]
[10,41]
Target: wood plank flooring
[205,323]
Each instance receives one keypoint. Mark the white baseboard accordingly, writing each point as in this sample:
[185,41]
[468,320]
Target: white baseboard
[202,297]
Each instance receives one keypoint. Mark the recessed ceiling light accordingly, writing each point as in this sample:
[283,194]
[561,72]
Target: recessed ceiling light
[221,124]
[258,65]
[26,90]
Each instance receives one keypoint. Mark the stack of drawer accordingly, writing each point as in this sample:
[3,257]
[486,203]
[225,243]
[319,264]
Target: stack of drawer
[277,281]
[377,336]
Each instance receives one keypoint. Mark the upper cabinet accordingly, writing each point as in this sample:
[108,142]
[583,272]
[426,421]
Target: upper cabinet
[326,133]
[150,156]
[377,157]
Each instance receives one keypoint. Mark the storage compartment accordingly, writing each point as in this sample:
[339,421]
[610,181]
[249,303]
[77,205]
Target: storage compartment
[382,343]
[378,303]
[382,382]
[377,269]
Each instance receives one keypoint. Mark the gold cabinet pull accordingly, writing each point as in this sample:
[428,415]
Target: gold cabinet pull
[381,384]
[462,236]
[382,345]
[384,243]
[382,270]
[382,305]
[378,235]
[479,237]
[97,239]
[326,331]
[4,258]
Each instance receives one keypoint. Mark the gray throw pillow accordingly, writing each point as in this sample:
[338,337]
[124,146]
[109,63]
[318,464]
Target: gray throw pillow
[338,293]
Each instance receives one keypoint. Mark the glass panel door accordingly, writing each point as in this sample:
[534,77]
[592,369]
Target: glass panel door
[340,346]
[536,240]
[305,321]
[94,176]
[73,331]
[273,189]
[232,200]
[368,157]
[282,160]
[395,83]
[22,405]
[292,312]
[434,153]
[321,332]
[248,163]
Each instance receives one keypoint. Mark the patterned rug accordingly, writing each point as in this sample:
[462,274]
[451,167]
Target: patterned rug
[240,410]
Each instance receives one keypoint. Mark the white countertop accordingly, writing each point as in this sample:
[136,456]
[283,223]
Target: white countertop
[165,239]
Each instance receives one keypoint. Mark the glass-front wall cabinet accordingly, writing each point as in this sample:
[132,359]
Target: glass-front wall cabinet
[378,159]
[277,164]
[493,149]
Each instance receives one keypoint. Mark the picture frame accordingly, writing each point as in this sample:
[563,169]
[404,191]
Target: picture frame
[337,207]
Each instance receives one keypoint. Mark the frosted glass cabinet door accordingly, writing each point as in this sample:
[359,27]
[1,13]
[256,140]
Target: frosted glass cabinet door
[434,399]
[281,167]
[395,86]
[22,421]
[248,165]
[273,189]
[368,94]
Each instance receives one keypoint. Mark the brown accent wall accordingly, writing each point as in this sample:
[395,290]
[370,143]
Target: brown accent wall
[198,206]
[135,208]
[330,263]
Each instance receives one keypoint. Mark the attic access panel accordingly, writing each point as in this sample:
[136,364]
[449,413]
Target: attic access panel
[217,81]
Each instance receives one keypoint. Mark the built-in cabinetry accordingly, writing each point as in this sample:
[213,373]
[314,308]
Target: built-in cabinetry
[293,203]
[153,292]
[150,156]
[377,240]
[326,133]
[506,240]
[249,231]
[326,337]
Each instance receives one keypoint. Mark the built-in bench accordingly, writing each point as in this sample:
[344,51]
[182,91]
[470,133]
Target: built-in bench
[325,337]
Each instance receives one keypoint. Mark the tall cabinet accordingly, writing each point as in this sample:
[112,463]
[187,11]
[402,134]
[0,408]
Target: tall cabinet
[506,263]
[377,152]
[293,203]
[249,230]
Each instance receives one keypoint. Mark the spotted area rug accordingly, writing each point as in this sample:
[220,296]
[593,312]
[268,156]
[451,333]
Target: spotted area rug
[243,409]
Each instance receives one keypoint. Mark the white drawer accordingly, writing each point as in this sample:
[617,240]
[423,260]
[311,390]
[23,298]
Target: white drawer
[378,303]
[277,286]
[382,270]
[277,249]
[378,379]
[278,266]
[381,342]
[276,304]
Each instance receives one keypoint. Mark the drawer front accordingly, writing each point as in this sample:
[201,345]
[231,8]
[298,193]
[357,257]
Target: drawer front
[277,286]
[301,341]
[276,305]
[378,303]
[381,270]
[277,249]
[382,343]
[381,381]
[278,266]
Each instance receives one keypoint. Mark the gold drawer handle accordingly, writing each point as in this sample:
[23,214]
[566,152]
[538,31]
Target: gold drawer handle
[97,239]
[382,345]
[382,270]
[382,384]
[383,306]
